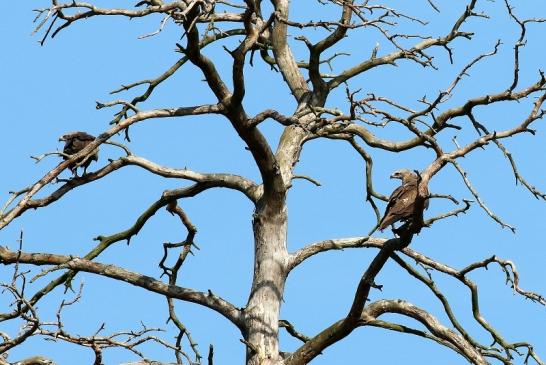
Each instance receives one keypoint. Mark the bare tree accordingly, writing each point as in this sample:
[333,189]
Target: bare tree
[356,115]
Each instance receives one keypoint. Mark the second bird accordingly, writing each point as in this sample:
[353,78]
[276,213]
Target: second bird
[74,143]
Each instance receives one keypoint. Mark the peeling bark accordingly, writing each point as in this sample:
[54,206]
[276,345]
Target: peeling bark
[261,316]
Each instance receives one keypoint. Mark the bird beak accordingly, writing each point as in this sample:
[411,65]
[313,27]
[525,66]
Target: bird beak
[394,176]
[61,139]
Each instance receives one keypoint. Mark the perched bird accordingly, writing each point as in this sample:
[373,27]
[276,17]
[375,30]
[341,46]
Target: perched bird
[401,205]
[74,143]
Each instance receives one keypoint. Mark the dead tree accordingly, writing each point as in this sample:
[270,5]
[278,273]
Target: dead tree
[360,117]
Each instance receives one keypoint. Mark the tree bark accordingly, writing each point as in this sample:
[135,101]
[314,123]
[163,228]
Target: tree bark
[261,316]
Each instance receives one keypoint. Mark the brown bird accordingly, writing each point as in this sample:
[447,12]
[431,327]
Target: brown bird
[74,143]
[401,205]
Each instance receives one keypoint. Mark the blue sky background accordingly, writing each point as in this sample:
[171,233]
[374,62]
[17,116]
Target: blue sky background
[47,91]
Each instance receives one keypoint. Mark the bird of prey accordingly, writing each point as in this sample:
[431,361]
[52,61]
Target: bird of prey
[74,143]
[401,205]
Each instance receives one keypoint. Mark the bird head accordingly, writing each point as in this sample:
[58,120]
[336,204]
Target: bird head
[75,135]
[404,175]
[66,137]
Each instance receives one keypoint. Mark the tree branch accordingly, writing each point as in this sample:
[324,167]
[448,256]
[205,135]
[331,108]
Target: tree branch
[298,257]
[343,328]
[283,53]
[400,54]
[106,241]
[439,331]
[23,204]
[208,300]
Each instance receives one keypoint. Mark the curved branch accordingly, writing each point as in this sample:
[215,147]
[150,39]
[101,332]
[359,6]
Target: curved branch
[369,315]
[23,204]
[453,213]
[208,300]
[343,328]
[460,275]
[308,251]
[283,323]
[441,297]
[35,360]
[412,331]
[438,330]
[230,181]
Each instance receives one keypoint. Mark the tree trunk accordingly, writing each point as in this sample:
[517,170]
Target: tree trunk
[270,259]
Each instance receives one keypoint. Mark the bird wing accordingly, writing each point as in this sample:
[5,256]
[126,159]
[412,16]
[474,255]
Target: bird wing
[400,205]
[83,136]
[77,142]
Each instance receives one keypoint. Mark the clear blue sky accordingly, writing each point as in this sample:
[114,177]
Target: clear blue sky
[47,91]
